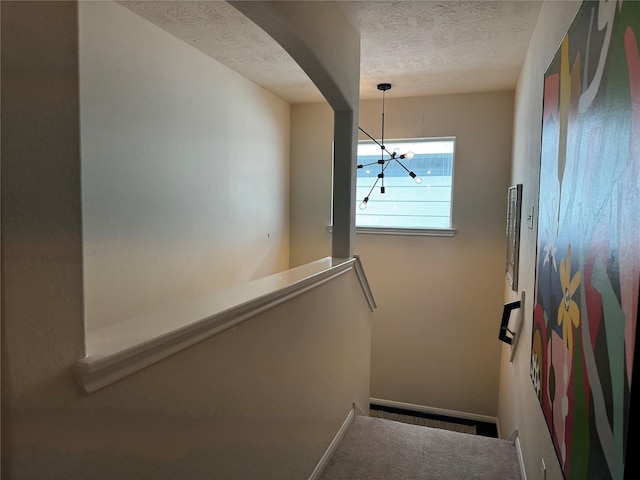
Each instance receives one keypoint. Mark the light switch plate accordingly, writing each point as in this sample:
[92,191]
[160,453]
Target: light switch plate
[530,217]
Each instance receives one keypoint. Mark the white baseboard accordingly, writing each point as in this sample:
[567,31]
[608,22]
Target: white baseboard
[516,441]
[433,410]
[317,472]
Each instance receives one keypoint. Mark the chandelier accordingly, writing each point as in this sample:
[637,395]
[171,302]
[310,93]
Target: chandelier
[386,157]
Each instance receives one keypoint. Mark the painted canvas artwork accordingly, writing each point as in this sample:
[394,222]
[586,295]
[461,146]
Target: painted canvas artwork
[588,250]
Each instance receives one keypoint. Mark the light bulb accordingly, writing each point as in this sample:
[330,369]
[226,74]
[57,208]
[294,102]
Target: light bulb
[408,155]
[396,152]
[363,205]
[418,180]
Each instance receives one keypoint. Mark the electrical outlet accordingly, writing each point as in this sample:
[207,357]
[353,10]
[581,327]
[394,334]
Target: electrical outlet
[543,469]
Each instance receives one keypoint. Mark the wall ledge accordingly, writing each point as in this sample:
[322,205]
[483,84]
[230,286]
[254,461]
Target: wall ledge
[118,350]
[414,232]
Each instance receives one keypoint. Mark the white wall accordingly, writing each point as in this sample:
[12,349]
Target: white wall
[185,170]
[439,299]
[519,408]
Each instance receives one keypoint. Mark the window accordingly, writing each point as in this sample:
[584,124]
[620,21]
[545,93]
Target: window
[423,202]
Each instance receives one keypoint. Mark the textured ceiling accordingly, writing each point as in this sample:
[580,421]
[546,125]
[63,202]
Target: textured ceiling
[421,47]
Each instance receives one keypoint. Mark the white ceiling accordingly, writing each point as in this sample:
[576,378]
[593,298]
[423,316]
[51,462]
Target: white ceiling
[422,47]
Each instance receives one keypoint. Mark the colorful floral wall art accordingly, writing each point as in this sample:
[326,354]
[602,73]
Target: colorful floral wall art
[588,251]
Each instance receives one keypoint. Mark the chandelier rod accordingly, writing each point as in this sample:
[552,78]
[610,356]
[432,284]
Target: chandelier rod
[383,87]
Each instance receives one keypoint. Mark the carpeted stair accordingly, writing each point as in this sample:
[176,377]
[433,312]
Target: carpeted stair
[379,449]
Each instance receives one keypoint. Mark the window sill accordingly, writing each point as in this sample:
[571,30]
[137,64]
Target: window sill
[422,232]
[115,351]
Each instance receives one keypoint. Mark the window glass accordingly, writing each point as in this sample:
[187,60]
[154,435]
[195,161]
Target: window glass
[412,192]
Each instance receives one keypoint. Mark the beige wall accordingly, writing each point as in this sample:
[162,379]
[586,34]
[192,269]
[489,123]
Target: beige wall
[439,299]
[260,400]
[176,201]
[311,181]
[518,407]
[320,38]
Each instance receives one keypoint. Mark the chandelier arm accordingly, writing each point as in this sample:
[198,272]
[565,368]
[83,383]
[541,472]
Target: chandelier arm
[374,186]
[408,171]
[363,131]
[369,164]
[377,142]
[387,162]
[411,174]
[378,179]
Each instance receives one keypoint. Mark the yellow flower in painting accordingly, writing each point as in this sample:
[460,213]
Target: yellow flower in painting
[568,313]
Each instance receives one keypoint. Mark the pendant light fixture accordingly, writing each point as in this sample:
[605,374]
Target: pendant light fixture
[395,156]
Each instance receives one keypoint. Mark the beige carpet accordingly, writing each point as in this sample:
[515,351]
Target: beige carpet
[424,422]
[377,449]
